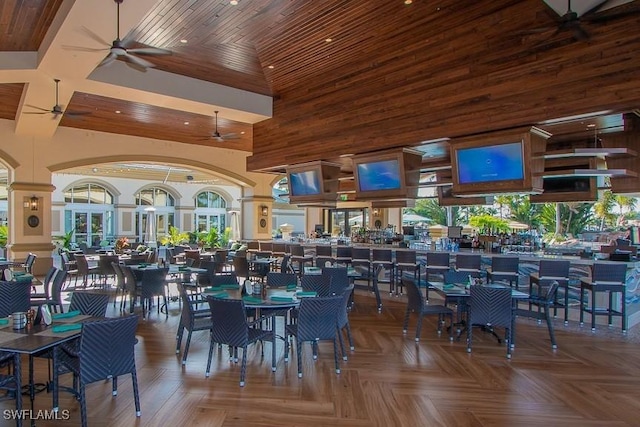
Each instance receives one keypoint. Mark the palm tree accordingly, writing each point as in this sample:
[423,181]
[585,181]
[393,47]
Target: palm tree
[625,203]
[603,207]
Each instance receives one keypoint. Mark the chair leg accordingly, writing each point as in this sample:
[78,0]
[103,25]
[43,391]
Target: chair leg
[552,336]
[593,310]
[186,348]
[508,339]
[341,339]
[351,346]
[419,327]
[581,305]
[243,369]
[299,356]
[208,371]
[469,337]
[136,394]
[83,406]
[405,325]
[335,355]
[114,386]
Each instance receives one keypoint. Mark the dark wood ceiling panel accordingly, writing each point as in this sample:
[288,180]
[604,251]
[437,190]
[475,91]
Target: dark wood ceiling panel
[419,82]
[10,94]
[220,39]
[149,121]
[24,23]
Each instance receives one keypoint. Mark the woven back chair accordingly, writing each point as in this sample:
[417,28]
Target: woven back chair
[281,280]
[105,350]
[92,304]
[416,304]
[194,317]
[230,327]
[14,297]
[339,278]
[490,306]
[316,283]
[317,321]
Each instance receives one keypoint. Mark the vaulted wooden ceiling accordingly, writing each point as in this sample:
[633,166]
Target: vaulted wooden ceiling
[346,77]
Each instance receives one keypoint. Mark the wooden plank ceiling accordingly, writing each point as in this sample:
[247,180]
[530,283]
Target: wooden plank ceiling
[351,77]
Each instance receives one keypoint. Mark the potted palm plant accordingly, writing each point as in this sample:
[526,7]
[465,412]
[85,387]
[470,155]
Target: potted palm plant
[174,237]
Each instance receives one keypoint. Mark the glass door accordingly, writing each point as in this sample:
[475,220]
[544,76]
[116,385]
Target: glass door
[96,232]
[81,227]
[344,221]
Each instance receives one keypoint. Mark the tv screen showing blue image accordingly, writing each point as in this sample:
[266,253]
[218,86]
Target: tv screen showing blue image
[490,163]
[377,176]
[305,183]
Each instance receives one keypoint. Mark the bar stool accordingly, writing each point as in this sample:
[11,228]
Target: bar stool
[437,263]
[384,258]
[552,271]
[605,277]
[406,261]
[471,264]
[298,256]
[324,253]
[361,257]
[504,268]
[343,255]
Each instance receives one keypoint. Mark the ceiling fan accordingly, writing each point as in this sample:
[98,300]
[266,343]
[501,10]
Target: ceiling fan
[221,138]
[572,21]
[118,48]
[57,108]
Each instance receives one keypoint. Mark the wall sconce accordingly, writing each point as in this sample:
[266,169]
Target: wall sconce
[34,203]
[264,210]
[376,212]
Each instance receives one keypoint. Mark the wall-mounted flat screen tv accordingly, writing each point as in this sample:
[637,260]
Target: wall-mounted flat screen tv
[305,183]
[379,175]
[500,162]
[314,182]
[390,175]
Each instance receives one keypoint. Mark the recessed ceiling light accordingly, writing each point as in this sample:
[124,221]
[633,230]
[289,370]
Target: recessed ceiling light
[186,123]
[271,67]
[233,2]
[328,40]
[184,41]
[117,111]
[591,125]
[242,133]
[408,1]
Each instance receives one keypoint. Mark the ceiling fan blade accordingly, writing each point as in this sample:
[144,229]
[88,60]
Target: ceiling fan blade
[149,51]
[138,61]
[34,112]
[230,136]
[46,110]
[84,49]
[580,34]
[599,18]
[218,138]
[108,60]
[94,36]
[76,113]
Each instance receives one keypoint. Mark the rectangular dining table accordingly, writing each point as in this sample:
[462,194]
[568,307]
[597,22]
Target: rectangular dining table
[35,339]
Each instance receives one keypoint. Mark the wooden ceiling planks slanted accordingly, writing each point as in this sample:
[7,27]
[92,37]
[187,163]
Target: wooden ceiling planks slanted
[220,40]
[150,121]
[10,94]
[24,23]
[453,85]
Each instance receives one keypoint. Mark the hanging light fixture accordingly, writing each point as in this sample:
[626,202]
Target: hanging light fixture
[34,203]
[264,210]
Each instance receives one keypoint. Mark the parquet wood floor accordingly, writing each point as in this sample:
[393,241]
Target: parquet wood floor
[389,380]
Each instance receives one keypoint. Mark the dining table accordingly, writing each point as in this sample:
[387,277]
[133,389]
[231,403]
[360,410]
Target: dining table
[37,339]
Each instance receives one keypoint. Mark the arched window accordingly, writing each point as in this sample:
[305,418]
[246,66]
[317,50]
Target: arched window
[211,211]
[89,211]
[164,203]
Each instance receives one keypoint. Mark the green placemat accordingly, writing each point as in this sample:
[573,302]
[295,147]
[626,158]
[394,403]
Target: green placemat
[251,300]
[66,315]
[4,322]
[230,286]
[212,289]
[291,286]
[220,295]
[67,328]
[281,299]
[18,273]
[307,294]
